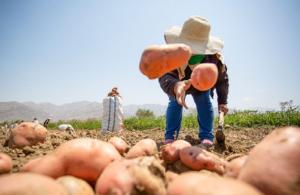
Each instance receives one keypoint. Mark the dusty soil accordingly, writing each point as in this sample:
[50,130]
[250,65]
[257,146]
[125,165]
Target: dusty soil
[238,141]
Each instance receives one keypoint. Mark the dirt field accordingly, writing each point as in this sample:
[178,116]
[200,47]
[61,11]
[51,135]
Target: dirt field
[237,141]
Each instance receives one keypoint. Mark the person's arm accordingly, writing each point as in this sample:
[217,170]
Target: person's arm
[222,88]
[173,86]
[167,82]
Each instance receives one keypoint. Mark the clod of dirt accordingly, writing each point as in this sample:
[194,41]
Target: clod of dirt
[178,167]
[192,140]
[55,142]
[28,150]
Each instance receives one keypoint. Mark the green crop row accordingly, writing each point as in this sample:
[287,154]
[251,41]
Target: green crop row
[254,119]
[236,119]
[78,124]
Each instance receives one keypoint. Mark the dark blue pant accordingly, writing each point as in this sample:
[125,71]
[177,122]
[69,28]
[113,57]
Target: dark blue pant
[205,116]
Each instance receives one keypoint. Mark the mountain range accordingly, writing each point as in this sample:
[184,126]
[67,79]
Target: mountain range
[81,110]
[77,110]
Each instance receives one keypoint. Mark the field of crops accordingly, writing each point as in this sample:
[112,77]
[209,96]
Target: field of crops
[236,119]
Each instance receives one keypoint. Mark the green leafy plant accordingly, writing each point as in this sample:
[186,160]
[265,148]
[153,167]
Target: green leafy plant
[144,113]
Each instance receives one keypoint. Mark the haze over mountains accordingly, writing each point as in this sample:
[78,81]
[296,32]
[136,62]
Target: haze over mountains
[82,110]
[77,110]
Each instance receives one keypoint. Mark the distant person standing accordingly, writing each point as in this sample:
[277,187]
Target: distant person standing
[205,49]
[113,115]
[114,92]
[35,120]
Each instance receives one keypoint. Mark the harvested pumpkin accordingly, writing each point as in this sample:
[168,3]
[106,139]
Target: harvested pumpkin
[192,183]
[5,163]
[273,164]
[119,144]
[198,159]
[142,175]
[204,76]
[84,158]
[30,184]
[157,60]
[170,152]
[145,147]
[27,134]
[234,166]
[75,186]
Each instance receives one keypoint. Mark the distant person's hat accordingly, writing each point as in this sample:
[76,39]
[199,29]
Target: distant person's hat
[195,33]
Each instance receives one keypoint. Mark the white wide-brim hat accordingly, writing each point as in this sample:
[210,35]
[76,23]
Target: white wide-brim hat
[195,33]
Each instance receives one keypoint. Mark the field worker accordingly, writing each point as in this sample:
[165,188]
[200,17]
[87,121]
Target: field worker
[114,92]
[195,33]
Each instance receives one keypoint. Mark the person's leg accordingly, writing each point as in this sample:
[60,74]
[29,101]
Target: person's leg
[205,115]
[173,118]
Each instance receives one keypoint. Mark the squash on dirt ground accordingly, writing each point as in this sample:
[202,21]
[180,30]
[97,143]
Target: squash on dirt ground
[30,184]
[170,152]
[145,147]
[5,163]
[119,144]
[157,60]
[234,166]
[204,76]
[27,134]
[75,186]
[198,159]
[84,158]
[273,164]
[192,183]
[142,175]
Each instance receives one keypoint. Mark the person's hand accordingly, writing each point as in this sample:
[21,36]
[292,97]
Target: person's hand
[223,108]
[179,90]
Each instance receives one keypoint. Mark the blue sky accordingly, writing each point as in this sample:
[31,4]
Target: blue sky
[66,51]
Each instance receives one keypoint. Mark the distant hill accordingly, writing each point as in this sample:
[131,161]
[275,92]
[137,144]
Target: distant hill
[15,110]
[77,110]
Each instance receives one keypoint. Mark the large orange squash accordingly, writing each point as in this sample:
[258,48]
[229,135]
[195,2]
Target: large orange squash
[273,164]
[204,76]
[27,134]
[170,152]
[5,163]
[198,159]
[30,184]
[145,147]
[192,183]
[119,144]
[84,158]
[157,60]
